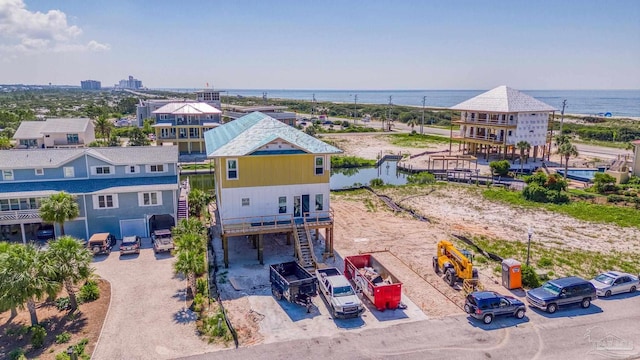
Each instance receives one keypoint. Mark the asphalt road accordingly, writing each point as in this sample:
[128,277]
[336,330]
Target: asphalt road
[610,328]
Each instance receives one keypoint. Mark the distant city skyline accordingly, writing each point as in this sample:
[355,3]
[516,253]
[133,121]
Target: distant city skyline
[323,45]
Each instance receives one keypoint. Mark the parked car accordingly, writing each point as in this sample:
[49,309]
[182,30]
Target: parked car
[101,243]
[615,282]
[162,240]
[485,305]
[561,292]
[45,232]
[130,245]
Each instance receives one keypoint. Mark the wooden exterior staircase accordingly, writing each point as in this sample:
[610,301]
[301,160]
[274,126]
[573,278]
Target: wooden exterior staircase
[304,248]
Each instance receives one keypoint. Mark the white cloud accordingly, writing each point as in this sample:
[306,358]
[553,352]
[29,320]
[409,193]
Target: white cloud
[26,31]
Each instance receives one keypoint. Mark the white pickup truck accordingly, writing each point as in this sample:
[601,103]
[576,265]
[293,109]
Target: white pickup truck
[162,241]
[338,293]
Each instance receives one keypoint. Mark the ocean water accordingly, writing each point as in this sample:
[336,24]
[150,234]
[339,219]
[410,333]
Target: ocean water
[588,102]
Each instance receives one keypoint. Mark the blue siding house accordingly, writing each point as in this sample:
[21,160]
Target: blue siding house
[121,190]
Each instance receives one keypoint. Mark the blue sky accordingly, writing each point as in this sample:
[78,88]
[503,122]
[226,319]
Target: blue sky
[324,44]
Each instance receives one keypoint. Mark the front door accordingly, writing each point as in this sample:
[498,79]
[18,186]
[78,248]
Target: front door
[301,206]
[305,205]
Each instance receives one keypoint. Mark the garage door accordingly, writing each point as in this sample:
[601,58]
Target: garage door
[133,227]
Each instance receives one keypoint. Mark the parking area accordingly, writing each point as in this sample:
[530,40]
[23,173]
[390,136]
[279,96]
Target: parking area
[246,289]
[147,318]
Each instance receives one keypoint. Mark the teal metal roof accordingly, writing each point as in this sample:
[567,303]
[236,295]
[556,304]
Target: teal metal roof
[247,134]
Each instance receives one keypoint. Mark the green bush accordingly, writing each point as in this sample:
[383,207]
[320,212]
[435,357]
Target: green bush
[89,292]
[603,182]
[376,182]
[63,338]
[537,193]
[80,346]
[62,303]
[38,334]
[529,277]
[198,300]
[62,356]
[350,162]
[500,168]
[615,198]
[422,178]
[17,354]
[214,326]
[202,286]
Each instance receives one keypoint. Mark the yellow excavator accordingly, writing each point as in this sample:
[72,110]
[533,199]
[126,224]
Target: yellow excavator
[455,264]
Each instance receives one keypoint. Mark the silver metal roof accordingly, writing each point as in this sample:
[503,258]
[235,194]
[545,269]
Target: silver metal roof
[52,158]
[250,132]
[503,99]
[36,129]
[181,108]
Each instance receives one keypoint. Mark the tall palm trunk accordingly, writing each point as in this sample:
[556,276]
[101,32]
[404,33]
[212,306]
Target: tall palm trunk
[14,312]
[31,306]
[61,229]
[566,165]
[191,279]
[73,300]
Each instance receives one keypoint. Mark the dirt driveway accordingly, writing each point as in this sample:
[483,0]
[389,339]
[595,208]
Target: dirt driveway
[146,318]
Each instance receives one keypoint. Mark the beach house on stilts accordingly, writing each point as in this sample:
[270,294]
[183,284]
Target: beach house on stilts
[495,121]
[271,178]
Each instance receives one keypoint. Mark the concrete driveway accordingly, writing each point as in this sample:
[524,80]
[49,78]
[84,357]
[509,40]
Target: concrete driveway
[146,318]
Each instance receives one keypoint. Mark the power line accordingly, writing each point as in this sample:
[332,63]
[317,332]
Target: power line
[424,101]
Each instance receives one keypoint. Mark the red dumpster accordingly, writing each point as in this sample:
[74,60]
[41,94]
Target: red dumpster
[374,281]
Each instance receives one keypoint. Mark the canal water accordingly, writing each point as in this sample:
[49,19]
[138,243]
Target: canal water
[340,178]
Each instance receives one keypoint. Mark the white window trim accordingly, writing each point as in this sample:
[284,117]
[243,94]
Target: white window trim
[141,198]
[96,202]
[73,171]
[8,178]
[316,167]
[237,170]
[127,169]
[94,170]
[39,171]
[165,168]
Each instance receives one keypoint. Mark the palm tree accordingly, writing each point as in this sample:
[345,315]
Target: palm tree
[559,140]
[567,150]
[522,146]
[103,126]
[412,122]
[59,208]
[189,226]
[26,277]
[72,263]
[190,250]
[198,201]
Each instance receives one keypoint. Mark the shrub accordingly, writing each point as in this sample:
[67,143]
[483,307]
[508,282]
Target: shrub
[62,356]
[62,303]
[421,178]
[214,326]
[529,277]
[500,168]
[615,198]
[17,354]
[38,333]
[376,182]
[202,286]
[79,347]
[604,182]
[63,338]
[89,292]
[198,300]
[537,193]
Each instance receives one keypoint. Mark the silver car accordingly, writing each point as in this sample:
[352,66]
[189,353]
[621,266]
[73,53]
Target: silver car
[615,282]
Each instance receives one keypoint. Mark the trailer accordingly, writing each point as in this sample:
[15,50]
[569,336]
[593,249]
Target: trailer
[374,281]
[292,282]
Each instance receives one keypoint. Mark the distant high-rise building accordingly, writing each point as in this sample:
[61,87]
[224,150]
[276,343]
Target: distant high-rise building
[130,83]
[90,85]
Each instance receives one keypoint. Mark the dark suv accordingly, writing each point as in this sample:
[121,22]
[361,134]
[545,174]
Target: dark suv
[561,292]
[130,245]
[485,305]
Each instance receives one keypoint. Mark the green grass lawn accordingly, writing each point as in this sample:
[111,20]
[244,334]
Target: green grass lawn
[557,262]
[417,140]
[611,144]
[621,216]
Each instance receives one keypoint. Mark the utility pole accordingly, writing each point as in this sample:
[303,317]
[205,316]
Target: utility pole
[355,108]
[264,97]
[564,103]
[313,105]
[389,117]
[424,101]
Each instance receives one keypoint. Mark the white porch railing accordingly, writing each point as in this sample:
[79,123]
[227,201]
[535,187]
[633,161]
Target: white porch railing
[13,215]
